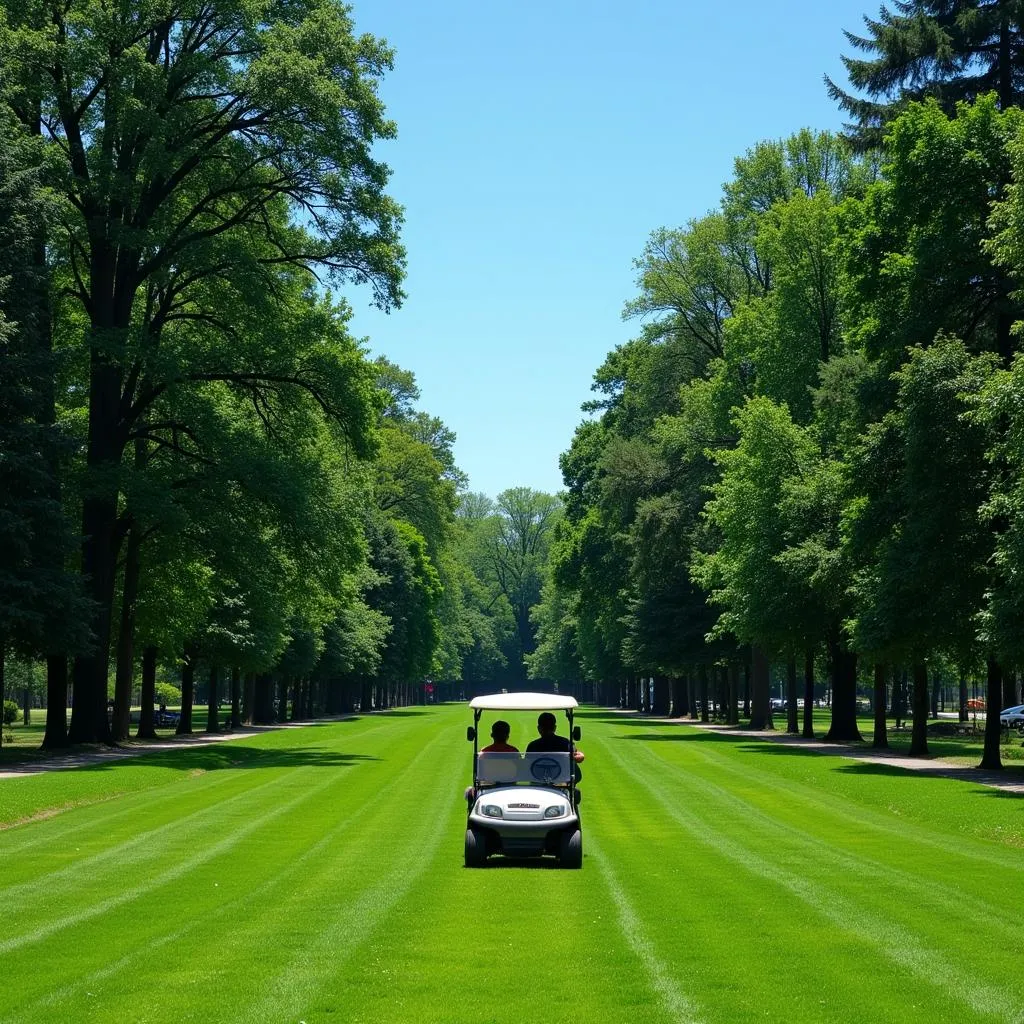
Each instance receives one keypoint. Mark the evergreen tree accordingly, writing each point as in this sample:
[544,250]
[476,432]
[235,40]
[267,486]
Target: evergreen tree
[949,50]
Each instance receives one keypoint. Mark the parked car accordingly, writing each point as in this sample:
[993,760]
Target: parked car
[163,717]
[1012,718]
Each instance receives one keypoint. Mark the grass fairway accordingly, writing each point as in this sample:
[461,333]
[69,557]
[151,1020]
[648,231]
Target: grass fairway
[316,875]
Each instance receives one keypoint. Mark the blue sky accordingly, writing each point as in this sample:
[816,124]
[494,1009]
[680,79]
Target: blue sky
[539,145]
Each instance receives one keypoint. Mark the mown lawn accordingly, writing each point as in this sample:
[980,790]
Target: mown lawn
[316,875]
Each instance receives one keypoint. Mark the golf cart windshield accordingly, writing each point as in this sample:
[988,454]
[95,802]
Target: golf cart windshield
[539,769]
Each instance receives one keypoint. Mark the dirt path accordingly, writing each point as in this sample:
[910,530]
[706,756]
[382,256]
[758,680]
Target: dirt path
[1010,780]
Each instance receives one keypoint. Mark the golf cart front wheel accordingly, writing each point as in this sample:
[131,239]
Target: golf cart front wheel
[571,853]
[476,849]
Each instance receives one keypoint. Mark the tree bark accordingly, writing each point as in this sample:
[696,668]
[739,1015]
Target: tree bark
[661,696]
[880,739]
[1009,698]
[808,732]
[761,718]
[733,690]
[56,733]
[936,686]
[147,729]
[919,732]
[125,670]
[746,690]
[213,700]
[236,698]
[282,709]
[843,665]
[188,680]
[702,676]
[3,685]
[792,712]
[249,699]
[963,713]
[991,757]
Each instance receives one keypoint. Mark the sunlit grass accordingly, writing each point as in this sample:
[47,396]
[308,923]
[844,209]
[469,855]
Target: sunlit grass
[316,875]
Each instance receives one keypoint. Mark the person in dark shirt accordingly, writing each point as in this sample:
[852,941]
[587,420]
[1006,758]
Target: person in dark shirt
[549,740]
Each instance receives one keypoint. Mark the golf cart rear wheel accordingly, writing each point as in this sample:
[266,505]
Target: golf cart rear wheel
[476,849]
[571,853]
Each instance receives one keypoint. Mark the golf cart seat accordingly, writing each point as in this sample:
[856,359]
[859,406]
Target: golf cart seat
[497,769]
[549,769]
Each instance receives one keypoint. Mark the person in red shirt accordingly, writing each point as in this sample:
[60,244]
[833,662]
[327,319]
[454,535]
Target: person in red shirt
[500,733]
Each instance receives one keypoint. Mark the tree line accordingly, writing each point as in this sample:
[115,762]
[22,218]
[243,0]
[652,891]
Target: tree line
[205,475]
[811,452]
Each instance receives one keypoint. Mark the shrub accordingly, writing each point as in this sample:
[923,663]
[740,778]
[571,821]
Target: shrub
[168,694]
[10,712]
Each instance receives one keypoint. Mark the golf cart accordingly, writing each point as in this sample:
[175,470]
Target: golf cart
[524,804]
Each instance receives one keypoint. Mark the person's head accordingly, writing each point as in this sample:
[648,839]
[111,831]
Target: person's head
[500,731]
[546,724]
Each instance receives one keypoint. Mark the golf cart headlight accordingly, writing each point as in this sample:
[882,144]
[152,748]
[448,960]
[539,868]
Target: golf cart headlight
[492,810]
[555,811]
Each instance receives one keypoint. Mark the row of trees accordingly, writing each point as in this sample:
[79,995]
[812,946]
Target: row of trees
[812,449]
[202,469]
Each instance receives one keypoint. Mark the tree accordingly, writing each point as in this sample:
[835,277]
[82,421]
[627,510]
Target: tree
[923,546]
[175,134]
[509,548]
[43,610]
[951,51]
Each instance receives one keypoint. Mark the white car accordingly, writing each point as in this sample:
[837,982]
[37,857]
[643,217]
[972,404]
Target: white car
[523,804]
[1012,718]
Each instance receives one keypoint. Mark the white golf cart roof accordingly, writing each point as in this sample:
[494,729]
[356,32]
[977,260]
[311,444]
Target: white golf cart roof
[523,702]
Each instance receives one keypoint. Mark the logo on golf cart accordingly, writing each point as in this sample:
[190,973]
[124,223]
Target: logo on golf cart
[545,769]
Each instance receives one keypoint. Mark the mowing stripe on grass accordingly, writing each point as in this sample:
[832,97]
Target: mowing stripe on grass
[895,942]
[270,886]
[927,890]
[677,1005]
[355,924]
[905,830]
[183,867]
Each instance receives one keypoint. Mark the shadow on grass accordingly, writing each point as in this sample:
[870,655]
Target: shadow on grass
[219,757]
[522,863]
[979,776]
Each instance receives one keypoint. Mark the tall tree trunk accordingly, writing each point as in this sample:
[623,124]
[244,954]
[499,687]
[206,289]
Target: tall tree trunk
[249,698]
[3,684]
[661,696]
[236,698]
[936,687]
[56,734]
[732,707]
[962,701]
[746,690]
[991,758]
[1009,690]
[89,723]
[188,690]
[147,729]
[761,718]
[702,676]
[880,739]
[213,700]
[919,733]
[843,665]
[125,670]
[282,709]
[808,732]
[792,711]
